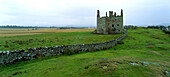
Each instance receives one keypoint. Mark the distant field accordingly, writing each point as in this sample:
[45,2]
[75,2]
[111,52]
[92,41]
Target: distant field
[62,37]
[142,53]
[29,31]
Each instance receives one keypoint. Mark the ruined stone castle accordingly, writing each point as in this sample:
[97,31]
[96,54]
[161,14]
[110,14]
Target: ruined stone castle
[109,24]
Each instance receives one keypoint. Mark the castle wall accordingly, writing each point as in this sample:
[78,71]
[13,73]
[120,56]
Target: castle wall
[117,23]
[99,25]
[104,25]
[107,25]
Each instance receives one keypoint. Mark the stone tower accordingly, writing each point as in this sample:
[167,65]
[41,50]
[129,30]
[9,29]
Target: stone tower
[111,24]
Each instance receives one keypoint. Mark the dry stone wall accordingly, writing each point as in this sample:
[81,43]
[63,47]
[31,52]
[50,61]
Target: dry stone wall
[10,57]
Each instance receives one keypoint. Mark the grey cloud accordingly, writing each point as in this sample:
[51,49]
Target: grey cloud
[136,12]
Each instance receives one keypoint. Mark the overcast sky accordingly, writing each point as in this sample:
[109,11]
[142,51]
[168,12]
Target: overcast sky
[81,12]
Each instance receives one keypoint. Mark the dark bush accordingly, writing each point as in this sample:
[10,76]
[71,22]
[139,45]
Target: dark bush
[166,31]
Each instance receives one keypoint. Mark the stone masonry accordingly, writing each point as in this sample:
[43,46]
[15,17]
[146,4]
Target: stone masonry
[109,24]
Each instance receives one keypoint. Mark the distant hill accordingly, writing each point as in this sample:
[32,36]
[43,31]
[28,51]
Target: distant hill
[166,24]
[65,27]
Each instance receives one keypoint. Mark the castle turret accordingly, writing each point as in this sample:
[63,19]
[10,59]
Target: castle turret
[98,22]
[121,12]
[122,18]
[110,13]
[106,14]
[115,14]
[98,13]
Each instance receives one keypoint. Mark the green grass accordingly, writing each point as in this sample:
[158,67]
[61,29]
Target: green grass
[146,45]
[52,39]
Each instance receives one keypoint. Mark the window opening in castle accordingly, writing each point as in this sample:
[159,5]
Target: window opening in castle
[112,25]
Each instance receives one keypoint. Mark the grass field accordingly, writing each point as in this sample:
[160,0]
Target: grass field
[142,53]
[29,31]
[53,39]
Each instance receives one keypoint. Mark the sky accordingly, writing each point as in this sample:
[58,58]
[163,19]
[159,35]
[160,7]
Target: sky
[82,12]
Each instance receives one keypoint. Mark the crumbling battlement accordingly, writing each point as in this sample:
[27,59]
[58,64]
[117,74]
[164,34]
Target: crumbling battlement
[109,24]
